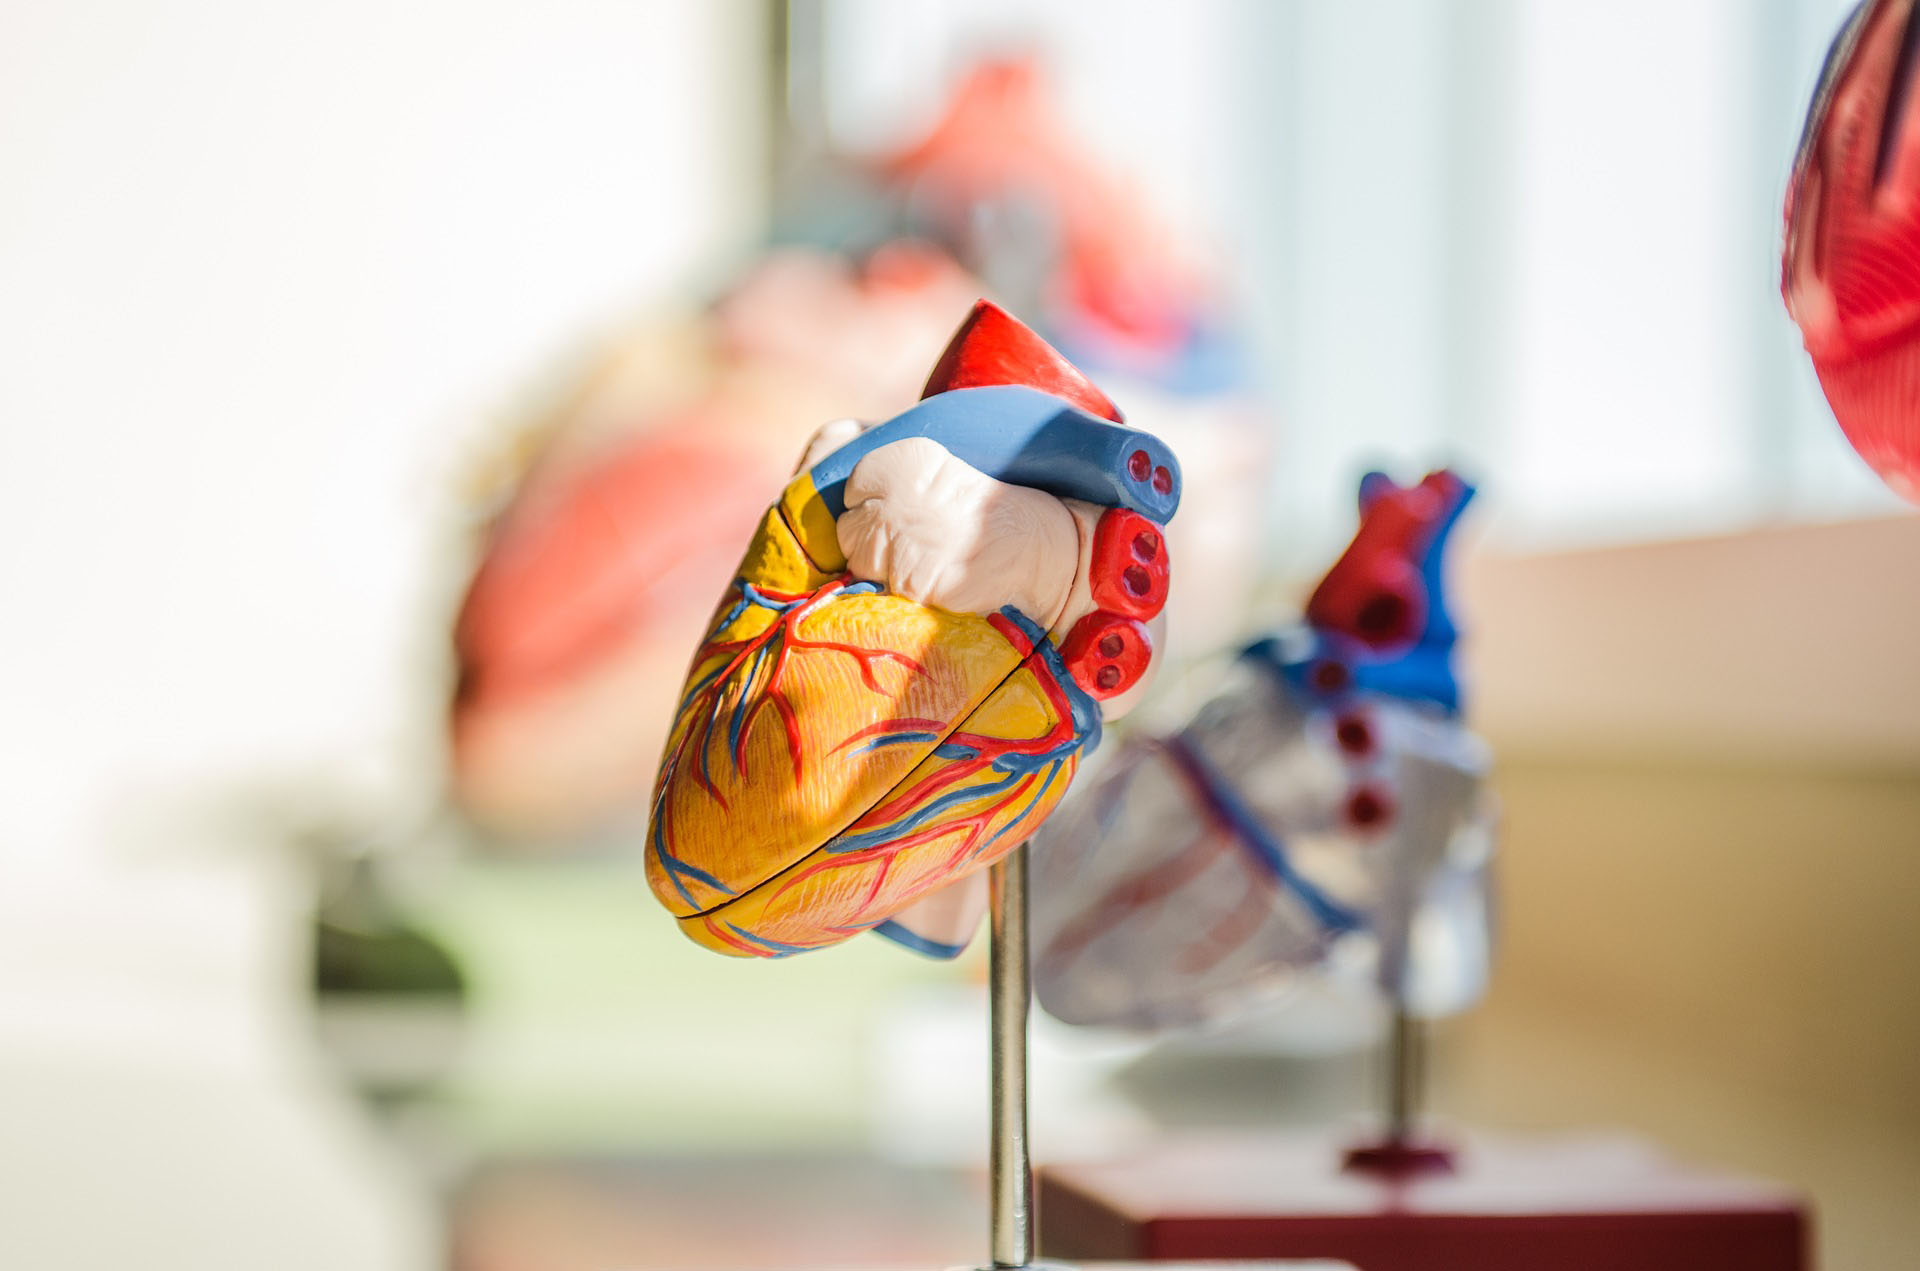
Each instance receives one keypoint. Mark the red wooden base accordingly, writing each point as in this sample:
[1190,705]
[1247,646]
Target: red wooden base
[1590,1204]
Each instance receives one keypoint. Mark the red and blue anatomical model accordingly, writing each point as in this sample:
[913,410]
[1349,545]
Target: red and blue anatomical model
[914,655]
[1851,274]
[1325,807]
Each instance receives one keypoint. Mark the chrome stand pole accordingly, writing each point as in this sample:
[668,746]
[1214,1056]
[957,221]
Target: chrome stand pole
[1010,990]
[1405,1058]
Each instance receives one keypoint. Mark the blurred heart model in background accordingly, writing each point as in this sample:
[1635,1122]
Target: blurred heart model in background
[1851,275]
[1326,809]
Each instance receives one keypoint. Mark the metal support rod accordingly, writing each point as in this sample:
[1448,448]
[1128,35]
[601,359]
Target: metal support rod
[1010,990]
[1406,1059]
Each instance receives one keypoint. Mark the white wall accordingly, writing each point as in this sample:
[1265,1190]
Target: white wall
[260,266]
[266,269]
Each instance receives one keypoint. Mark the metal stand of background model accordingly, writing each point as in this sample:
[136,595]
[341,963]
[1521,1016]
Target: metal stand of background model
[1402,1149]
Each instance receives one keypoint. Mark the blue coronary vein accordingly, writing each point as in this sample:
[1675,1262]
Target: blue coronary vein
[1266,847]
[901,935]
[678,870]
[774,948]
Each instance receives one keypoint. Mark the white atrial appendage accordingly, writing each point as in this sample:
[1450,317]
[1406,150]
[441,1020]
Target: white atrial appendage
[1086,521]
[935,529]
[828,438]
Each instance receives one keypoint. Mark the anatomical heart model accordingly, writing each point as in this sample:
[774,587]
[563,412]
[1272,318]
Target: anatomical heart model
[1326,805]
[916,651]
[1851,274]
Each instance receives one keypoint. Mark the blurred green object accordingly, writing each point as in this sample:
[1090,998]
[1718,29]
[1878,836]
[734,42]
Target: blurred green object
[390,997]
[354,959]
[595,1027]
[364,944]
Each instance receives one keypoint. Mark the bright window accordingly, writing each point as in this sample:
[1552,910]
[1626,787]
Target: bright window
[1536,239]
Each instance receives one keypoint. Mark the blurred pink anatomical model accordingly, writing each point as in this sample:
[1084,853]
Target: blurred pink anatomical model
[1851,275]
